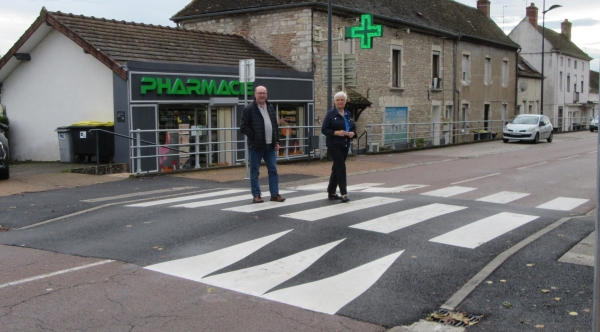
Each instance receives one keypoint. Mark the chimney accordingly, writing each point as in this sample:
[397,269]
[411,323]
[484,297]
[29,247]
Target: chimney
[532,15]
[565,29]
[484,6]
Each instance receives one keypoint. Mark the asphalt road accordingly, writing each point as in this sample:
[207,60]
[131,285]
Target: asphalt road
[348,264]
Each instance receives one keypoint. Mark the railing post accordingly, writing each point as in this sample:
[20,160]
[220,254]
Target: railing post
[247,158]
[138,143]
[97,152]
[197,147]
[321,146]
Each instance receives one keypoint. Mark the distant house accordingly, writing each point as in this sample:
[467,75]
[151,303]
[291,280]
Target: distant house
[593,97]
[566,69]
[436,61]
[68,68]
[529,84]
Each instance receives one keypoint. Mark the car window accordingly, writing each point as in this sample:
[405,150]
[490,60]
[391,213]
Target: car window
[525,120]
[546,119]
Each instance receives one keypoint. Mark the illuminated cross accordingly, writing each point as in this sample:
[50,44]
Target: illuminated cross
[365,31]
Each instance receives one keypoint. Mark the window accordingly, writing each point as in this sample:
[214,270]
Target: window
[504,73]
[487,79]
[396,68]
[562,62]
[466,70]
[582,83]
[575,64]
[569,63]
[560,81]
[568,83]
[435,70]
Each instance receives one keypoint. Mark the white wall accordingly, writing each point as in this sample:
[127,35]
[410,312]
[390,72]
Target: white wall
[61,85]
[531,95]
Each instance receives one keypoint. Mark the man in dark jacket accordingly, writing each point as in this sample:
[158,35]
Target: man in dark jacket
[259,124]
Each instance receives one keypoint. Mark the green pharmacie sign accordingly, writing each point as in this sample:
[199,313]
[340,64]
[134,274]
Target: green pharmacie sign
[366,31]
[192,87]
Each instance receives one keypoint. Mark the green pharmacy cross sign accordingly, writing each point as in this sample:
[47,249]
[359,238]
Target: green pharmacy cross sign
[365,31]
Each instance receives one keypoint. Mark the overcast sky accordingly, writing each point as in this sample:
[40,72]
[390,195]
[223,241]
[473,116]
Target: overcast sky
[17,15]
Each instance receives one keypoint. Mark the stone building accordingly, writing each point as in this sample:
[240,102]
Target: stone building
[438,61]
[566,70]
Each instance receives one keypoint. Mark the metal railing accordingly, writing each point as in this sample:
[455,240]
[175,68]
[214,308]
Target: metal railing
[418,135]
[213,147]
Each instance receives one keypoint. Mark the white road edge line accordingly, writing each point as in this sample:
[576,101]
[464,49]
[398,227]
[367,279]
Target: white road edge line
[98,208]
[569,157]
[545,162]
[481,177]
[22,281]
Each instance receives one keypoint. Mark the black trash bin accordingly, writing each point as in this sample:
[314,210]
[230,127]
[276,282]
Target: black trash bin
[84,141]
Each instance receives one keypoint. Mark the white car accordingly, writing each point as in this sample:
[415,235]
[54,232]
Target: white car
[594,124]
[4,171]
[529,128]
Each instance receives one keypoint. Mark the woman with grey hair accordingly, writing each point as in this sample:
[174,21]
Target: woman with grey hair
[338,128]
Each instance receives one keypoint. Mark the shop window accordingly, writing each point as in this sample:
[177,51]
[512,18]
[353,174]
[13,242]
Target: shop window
[290,117]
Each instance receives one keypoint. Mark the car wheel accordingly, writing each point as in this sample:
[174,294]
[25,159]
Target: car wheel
[591,130]
[504,140]
[549,140]
[4,173]
[536,139]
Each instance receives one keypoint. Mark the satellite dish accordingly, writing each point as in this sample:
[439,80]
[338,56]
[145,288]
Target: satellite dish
[523,86]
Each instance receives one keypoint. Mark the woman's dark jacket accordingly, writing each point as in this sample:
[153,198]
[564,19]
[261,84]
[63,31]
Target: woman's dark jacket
[253,125]
[334,121]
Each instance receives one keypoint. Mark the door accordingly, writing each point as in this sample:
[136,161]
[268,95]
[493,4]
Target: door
[144,117]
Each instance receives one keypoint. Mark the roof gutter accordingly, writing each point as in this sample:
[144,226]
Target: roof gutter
[338,8]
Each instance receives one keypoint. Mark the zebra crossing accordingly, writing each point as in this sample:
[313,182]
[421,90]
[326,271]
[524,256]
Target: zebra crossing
[331,294]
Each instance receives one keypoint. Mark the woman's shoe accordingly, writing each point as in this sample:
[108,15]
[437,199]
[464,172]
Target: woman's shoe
[345,199]
[334,196]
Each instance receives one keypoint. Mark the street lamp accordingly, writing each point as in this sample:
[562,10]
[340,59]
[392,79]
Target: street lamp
[544,11]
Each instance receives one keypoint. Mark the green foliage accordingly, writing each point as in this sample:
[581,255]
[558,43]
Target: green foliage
[4,120]
[420,142]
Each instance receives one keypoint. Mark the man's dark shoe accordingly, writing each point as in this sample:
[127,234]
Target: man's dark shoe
[334,196]
[277,198]
[345,199]
[257,199]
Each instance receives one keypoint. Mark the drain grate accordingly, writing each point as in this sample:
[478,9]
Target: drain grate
[453,318]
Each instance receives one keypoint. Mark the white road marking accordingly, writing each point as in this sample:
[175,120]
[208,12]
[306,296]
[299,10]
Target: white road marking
[112,198]
[396,221]
[22,281]
[475,234]
[331,294]
[569,157]
[314,186]
[361,186]
[592,152]
[226,200]
[524,167]
[449,191]
[257,280]
[196,267]
[562,204]
[273,205]
[481,177]
[340,208]
[503,197]
[188,198]
[392,190]
[324,185]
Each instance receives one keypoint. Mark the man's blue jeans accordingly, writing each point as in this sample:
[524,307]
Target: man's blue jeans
[271,162]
